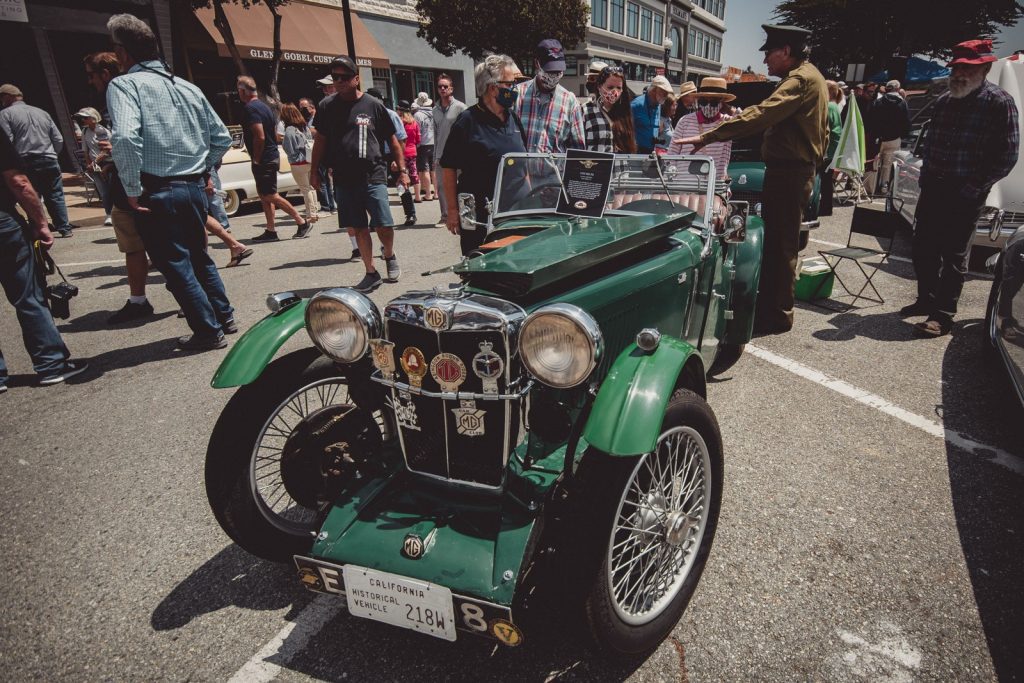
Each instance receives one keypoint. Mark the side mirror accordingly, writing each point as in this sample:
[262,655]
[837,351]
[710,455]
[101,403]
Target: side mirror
[997,225]
[735,229]
[467,211]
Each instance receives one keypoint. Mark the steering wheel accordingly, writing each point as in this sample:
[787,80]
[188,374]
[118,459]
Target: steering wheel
[538,197]
[651,206]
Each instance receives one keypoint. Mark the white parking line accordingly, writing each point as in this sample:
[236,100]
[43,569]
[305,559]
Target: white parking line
[266,664]
[994,455]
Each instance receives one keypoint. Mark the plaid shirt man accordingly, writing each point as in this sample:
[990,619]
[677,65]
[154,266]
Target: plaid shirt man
[553,121]
[597,128]
[973,139]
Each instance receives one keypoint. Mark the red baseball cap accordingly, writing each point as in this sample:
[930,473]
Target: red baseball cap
[973,52]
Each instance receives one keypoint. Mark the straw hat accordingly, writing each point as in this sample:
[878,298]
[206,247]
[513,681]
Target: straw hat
[712,87]
[687,88]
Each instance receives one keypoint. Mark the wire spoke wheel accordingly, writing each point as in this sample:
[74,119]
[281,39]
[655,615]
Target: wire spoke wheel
[659,525]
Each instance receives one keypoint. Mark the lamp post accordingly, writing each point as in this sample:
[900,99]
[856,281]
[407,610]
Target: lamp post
[668,50]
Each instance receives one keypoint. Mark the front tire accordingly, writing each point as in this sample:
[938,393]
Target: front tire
[728,355]
[647,528]
[232,201]
[265,478]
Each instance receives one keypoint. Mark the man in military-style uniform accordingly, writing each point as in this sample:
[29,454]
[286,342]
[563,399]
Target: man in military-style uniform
[795,124]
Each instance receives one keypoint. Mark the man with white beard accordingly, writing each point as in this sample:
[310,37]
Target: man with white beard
[972,142]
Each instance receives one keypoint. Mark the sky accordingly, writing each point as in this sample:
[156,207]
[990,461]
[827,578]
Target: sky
[743,18]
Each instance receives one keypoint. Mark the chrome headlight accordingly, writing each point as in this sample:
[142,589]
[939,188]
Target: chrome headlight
[341,323]
[560,345]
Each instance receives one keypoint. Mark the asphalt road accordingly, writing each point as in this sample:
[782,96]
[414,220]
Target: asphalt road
[871,527]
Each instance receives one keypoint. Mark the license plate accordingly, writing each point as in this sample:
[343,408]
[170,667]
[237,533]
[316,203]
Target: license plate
[400,601]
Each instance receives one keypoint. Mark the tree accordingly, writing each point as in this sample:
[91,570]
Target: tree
[872,31]
[512,28]
[220,20]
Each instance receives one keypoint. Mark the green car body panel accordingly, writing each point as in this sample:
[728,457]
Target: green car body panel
[629,408]
[746,265]
[256,348]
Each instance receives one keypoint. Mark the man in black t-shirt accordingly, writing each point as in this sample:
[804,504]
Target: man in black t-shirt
[259,133]
[20,278]
[350,128]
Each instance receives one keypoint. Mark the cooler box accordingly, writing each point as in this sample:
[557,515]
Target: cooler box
[815,279]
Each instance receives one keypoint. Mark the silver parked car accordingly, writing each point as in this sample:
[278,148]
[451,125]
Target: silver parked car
[1004,208]
[1003,328]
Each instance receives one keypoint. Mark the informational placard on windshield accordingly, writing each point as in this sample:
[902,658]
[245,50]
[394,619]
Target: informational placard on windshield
[585,182]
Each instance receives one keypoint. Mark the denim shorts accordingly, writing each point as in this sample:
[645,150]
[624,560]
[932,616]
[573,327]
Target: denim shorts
[355,201]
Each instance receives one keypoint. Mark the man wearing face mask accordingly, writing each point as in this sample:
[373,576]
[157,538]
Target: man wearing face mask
[549,113]
[647,113]
[709,99]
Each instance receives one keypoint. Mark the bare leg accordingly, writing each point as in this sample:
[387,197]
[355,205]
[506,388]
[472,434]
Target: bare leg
[387,240]
[366,247]
[428,189]
[217,230]
[287,207]
[138,266]
[416,192]
[268,210]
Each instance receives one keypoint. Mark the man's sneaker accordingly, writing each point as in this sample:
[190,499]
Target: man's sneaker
[355,255]
[229,326]
[917,308]
[108,220]
[70,369]
[370,282]
[66,232]
[267,236]
[131,311]
[410,220]
[303,230]
[441,224]
[394,271]
[196,343]
[3,388]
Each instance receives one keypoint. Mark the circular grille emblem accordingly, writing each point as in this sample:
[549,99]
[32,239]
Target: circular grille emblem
[412,547]
[436,318]
[448,371]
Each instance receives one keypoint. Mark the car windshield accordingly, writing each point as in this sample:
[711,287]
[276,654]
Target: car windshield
[640,184]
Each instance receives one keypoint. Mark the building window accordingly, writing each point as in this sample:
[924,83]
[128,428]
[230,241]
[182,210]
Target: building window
[599,13]
[618,14]
[645,24]
[659,24]
[632,20]
[677,44]
[691,47]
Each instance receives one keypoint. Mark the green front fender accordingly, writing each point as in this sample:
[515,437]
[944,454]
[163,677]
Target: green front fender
[255,349]
[746,261]
[630,406]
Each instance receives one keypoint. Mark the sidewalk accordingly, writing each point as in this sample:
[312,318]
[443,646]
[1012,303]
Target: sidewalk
[80,212]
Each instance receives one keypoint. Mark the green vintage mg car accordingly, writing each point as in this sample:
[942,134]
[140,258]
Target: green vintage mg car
[533,435]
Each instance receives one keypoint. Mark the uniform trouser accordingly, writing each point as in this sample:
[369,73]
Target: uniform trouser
[787,189]
[943,230]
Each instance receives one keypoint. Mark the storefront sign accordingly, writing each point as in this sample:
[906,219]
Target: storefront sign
[681,14]
[13,10]
[287,56]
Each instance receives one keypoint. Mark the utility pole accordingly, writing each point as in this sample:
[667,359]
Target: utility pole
[350,40]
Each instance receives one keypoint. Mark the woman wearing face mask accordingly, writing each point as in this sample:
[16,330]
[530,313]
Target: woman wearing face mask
[607,119]
[477,141]
[710,97]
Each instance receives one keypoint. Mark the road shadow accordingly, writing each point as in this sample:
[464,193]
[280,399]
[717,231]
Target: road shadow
[105,240]
[231,578]
[96,321]
[851,324]
[312,263]
[977,400]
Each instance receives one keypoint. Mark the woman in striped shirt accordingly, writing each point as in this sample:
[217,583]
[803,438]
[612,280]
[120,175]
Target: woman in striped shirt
[607,118]
[710,97]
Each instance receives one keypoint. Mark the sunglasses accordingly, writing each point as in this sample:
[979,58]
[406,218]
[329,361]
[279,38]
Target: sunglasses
[444,87]
[342,77]
[608,70]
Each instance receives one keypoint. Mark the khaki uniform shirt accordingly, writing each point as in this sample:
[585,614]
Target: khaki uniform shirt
[795,116]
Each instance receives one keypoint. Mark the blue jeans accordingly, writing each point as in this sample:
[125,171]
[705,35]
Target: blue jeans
[217,209]
[174,233]
[22,283]
[44,172]
[325,193]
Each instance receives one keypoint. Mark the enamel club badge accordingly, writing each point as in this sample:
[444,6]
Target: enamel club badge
[405,412]
[488,366]
[448,371]
[469,420]
[415,365]
[383,357]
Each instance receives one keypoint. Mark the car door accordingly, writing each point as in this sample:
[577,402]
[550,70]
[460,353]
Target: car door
[907,177]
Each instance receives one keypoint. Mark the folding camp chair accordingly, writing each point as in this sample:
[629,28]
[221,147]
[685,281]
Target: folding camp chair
[874,220]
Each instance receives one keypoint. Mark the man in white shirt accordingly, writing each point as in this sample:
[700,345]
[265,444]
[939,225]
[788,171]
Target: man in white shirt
[446,111]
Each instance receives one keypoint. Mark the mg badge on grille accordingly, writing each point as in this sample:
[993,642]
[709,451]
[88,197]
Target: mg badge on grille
[414,364]
[412,547]
[383,357]
[436,318]
[469,420]
[488,366]
[448,371]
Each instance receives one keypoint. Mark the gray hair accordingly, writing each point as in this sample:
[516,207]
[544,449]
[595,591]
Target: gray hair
[246,82]
[134,35]
[489,71]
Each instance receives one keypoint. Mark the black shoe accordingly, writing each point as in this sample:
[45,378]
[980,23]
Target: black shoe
[267,236]
[66,232]
[229,326]
[917,308]
[370,282]
[303,231]
[355,255]
[410,220]
[70,369]
[131,311]
[196,343]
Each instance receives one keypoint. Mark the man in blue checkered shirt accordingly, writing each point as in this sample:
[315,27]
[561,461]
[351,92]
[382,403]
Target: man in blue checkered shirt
[972,142]
[166,140]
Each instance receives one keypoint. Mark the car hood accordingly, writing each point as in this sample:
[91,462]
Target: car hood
[566,248]
[1008,193]
[747,176]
